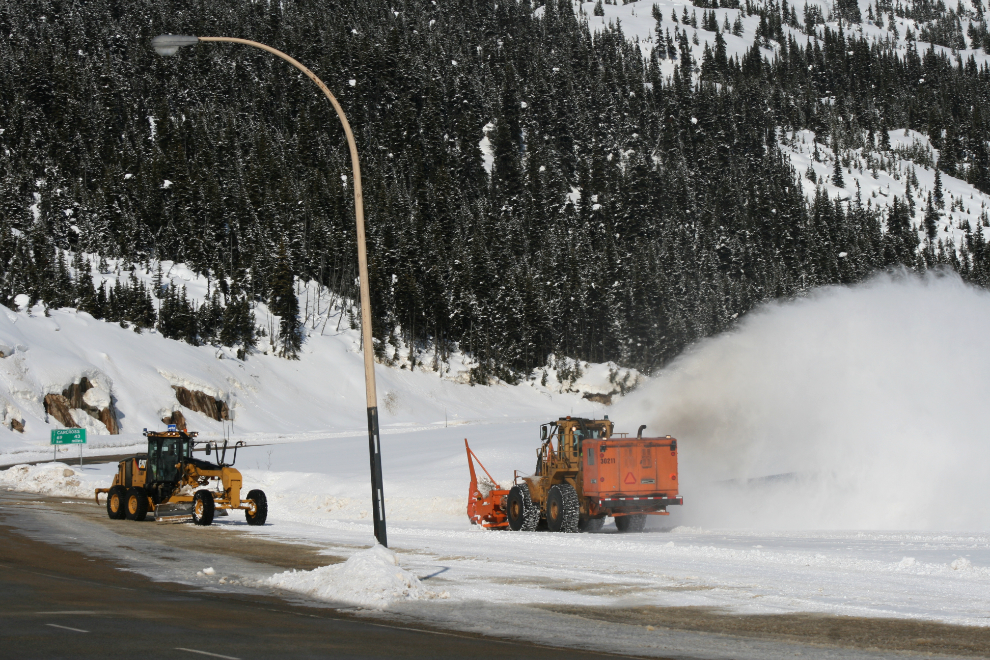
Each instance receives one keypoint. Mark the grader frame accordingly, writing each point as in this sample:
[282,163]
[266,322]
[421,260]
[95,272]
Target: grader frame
[169,482]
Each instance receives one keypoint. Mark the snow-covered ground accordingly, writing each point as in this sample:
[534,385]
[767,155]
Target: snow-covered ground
[833,459]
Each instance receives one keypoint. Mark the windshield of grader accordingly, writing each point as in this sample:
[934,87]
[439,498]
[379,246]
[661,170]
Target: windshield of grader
[164,454]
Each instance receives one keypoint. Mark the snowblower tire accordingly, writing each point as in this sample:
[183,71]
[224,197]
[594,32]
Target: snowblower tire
[631,524]
[590,525]
[260,514]
[563,509]
[203,508]
[520,510]
[117,503]
[137,504]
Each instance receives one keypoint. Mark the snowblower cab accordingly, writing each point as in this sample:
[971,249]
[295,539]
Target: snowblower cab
[569,435]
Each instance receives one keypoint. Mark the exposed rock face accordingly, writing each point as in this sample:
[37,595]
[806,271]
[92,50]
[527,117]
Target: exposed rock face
[17,425]
[74,396]
[57,406]
[202,402]
[176,418]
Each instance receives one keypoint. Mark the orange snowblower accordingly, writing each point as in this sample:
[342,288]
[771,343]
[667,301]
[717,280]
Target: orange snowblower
[486,503]
[584,473]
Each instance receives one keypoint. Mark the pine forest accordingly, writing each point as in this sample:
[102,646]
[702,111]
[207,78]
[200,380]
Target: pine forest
[631,201]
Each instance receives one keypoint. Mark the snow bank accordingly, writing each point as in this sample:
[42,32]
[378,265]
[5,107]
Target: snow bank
[57,479]
[857,407]
[371,578]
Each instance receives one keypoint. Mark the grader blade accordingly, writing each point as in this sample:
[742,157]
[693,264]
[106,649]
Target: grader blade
[172,513]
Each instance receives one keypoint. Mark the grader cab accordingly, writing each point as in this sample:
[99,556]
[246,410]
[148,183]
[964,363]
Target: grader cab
[173,485]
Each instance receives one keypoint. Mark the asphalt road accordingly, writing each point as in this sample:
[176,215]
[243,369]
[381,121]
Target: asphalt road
[74,584]
[56,602]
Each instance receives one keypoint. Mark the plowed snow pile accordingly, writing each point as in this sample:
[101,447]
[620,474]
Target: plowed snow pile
[371,578]
[56,479]
[855,408]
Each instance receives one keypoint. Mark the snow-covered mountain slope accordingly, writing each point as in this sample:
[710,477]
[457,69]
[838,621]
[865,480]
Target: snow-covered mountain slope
[638,24]
[266,397]
[880,177]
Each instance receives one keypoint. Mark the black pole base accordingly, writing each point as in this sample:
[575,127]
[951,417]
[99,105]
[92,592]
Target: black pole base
[377,490]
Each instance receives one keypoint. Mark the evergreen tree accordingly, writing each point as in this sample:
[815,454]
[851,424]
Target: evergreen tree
[939,199]
[837,179]
[931,221]
[285,305]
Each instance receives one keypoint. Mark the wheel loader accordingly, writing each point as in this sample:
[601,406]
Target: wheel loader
[584,473]
[175,487]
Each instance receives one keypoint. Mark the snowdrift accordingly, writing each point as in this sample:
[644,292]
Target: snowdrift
[856,407]
[370,578]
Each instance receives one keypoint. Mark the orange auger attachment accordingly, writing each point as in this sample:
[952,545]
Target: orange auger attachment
[485,509]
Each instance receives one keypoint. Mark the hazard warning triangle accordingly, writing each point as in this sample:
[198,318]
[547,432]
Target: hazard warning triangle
[630,479]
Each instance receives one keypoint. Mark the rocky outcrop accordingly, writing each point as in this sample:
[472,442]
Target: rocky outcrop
[202,403]
[177,418]
[17,425]
[86,397]
[57,406]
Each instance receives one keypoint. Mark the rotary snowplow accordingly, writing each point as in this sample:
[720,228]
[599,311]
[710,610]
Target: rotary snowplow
[486,501]
[169,483]
[584,473]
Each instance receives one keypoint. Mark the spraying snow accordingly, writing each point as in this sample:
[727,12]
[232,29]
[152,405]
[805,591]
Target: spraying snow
[371,578]
[857,407]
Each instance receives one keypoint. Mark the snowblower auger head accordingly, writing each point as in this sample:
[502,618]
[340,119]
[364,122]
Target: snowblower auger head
[486,502]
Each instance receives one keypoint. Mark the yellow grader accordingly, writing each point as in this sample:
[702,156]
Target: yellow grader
[168,482]
[584,473]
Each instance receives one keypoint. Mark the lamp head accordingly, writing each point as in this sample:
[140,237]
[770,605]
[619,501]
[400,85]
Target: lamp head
[168,44]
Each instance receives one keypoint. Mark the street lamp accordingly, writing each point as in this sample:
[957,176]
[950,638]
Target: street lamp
[169,44]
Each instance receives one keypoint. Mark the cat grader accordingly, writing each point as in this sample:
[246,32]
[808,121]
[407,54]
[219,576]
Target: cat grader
[168,482]
[584,473]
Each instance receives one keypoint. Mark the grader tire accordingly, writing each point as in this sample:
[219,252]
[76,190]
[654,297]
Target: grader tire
[117,503]
[260,514]
[563,509]
[631,524]
[137,504]
[203,508]
[523,515]
[590,525]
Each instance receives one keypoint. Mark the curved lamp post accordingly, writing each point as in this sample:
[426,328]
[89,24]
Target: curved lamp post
[169,44]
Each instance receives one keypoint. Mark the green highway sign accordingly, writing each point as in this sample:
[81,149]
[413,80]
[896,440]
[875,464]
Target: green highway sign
[69,437]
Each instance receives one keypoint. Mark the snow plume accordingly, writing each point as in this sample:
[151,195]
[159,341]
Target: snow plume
[856,407]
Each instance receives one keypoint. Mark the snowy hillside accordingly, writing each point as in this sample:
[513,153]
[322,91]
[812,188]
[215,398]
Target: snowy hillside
[139,375]
[637,22]
[879,176]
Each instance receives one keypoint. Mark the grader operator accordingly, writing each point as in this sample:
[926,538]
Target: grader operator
[176,487]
